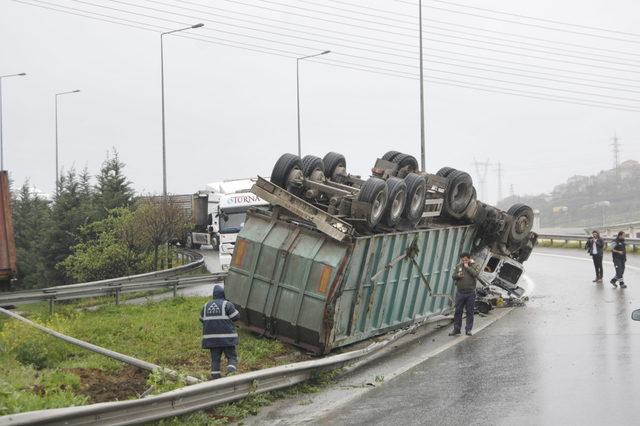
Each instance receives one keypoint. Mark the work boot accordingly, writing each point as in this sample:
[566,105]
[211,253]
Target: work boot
[455,333]
[595,281]
[622,285]
[599,281]
[214,376]
[613,282]
[468,333]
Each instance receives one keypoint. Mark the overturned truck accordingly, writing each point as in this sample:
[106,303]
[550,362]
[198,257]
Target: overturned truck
[337,259]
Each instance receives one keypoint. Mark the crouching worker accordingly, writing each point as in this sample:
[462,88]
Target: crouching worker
[465,278]
[218,332]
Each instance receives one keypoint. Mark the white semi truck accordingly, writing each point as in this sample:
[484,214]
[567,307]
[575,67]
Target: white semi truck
[231,217]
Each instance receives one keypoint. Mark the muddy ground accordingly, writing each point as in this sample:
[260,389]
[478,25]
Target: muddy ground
[105,386]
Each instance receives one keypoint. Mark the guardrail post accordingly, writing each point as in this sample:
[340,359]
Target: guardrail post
[51,305]
[117,296]
[175,289]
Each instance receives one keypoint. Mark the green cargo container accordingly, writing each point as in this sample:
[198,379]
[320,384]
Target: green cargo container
[295,283]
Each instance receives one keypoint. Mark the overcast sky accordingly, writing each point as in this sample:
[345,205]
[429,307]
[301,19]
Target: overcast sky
[231,112]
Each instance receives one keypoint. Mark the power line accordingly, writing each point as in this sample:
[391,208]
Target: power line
[395,73]
[537,19]
[344,54]
[435,40]
[522,23]
[472,34]
[403,50]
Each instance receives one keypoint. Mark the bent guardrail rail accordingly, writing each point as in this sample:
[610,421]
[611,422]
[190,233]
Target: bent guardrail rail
[202,395]
[100,350]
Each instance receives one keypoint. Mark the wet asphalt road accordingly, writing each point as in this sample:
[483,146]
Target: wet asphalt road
[566,358]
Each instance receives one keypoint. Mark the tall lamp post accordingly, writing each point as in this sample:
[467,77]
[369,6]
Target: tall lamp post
[57,169]
[164,149]
[1,144]
[422,136]
[298,91]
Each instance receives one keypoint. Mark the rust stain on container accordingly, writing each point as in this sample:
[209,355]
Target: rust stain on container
[324,279]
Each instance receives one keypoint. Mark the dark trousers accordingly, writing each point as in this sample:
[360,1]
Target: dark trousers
[619,264]
[216,356]
[597,264]
[466,301]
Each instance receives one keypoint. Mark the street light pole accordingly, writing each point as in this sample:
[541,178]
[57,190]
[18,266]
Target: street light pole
[422,147]
[57,169]
[1,142]
[298,92]
[164,148]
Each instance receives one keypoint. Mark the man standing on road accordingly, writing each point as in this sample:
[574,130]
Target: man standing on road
[218,331]
[595,247]
[619,250]
[465,278]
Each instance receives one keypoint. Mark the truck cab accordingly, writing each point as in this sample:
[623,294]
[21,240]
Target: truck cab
[500,271]
[232,213]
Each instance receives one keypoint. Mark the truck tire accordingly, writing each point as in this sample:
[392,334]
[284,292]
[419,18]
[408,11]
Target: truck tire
[445,171]
[332,161]
[189,242]
[311,164]
[458,195]
[287,168]
[390,155]
[397,199]
[407,162]
[522,222]
[374,192]
[416,195]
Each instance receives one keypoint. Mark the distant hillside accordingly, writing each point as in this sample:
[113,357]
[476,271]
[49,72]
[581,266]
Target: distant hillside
[582,200]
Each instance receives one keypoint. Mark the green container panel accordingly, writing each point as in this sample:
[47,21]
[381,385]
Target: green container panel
[306,288]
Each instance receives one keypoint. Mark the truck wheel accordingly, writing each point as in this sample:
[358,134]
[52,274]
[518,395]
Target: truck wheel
[390,155]
[374,192]
[416,195]
[406,162]
[215,243]
[287,169]
[522,222]
[397,200]
[189,242]
[197,246]
[458,195]
[311,165]
[445,171]
[332,162]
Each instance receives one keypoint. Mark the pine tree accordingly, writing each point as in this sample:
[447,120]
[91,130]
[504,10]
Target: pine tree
[73,207]
[113,189]
[31,222]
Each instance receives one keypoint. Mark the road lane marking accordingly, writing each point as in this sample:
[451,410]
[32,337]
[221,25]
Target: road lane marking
[562,256]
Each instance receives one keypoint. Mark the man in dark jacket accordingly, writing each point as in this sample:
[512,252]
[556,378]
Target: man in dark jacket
[619,251]
[595,247]
[218,332]
[465,278]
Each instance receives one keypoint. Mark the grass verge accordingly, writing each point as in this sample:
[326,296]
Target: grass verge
[38,371]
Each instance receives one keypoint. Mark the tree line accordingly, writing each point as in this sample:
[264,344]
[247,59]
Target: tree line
[91,231]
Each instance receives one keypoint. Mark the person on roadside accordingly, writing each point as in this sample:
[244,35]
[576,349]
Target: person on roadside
[619,252]
[595,248]
[464,277]
[219,334]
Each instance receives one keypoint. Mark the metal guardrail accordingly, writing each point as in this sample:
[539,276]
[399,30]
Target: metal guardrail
[200,396]
[100,350]
[633,242]
[54,294]
[114,287]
